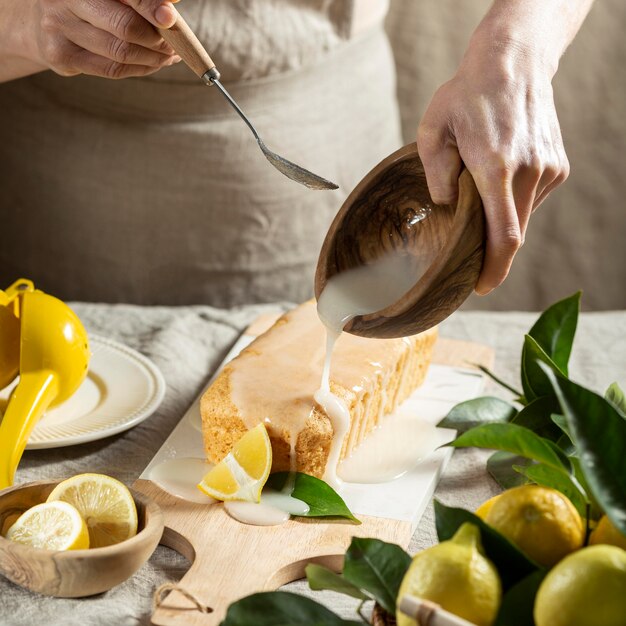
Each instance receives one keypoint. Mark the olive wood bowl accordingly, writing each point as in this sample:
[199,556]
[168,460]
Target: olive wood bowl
[382,215]
[73,573]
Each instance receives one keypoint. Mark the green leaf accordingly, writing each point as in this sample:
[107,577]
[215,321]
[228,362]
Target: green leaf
[515,439]
[321,577]
[500,382]
[378,568]
[518,602]
[536,417]
[616,397]
[555,329]
[599,434]
[561,422]
[281,608]
[534,381]
[470,413]
[500,466]
[556,479]
[512,564]
[322,499]
[596,509]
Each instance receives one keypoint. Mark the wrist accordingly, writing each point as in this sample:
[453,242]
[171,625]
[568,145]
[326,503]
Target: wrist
[513,46]
[18,39]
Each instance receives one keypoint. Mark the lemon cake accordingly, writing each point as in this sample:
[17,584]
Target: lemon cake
[275,378]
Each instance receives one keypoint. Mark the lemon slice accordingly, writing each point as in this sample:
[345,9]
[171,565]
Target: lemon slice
[52,526]
[105,504]
[243,472]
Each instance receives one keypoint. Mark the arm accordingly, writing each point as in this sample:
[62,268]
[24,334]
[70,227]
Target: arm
[497,116]
[109,38]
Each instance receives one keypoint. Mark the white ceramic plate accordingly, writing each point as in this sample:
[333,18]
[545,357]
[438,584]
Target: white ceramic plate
[122,389]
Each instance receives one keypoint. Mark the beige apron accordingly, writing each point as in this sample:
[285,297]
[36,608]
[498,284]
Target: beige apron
[152,191]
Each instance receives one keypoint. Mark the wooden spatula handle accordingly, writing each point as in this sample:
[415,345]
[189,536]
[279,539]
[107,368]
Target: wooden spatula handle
[187,46]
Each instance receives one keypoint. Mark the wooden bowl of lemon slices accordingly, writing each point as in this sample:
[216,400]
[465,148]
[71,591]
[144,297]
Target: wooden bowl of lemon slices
[78,537]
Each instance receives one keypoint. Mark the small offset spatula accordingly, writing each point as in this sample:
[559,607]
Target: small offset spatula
[192,52]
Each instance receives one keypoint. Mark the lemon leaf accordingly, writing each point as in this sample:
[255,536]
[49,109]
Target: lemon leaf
[517,603]
[515,439]
[616,397]
[534,380]
[599,433]
[536,416]
[320,578]
[512,564]
[556,479]
[378,568]
[281,608]
[470,413]
[555,329]
[500,466]
[322,499]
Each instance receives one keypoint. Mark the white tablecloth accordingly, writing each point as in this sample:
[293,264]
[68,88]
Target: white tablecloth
[187,343]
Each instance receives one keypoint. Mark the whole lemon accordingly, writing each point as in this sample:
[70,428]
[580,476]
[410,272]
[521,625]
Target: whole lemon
[485,507]
[456,575]
[587,588]
[606,533]
[540,521]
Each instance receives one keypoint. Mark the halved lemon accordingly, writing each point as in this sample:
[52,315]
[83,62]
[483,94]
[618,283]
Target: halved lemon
[243,471]
[105,504]
[52,526]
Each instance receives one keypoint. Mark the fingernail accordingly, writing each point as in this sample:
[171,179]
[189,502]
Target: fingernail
[173,60]
[165,16]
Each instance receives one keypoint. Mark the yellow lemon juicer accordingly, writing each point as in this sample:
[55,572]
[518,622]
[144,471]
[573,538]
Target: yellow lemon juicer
[43,341]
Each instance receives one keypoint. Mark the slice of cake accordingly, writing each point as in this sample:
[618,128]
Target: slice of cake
[275,378]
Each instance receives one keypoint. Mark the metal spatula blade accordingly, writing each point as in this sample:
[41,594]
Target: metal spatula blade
[192,52]
[284,166]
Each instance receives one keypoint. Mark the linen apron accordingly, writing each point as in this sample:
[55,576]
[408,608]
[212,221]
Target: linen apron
[153,191]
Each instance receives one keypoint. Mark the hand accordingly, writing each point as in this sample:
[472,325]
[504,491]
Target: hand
[497,117]
[108,38]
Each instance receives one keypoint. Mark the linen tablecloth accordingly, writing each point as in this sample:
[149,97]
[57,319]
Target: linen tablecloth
[187,344]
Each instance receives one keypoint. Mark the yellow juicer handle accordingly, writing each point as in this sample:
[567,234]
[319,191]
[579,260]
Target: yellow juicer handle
[28,402]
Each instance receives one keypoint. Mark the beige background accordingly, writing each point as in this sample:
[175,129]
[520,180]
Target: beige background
[577,239]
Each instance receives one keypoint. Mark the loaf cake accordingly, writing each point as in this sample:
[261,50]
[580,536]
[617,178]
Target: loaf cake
[275,378]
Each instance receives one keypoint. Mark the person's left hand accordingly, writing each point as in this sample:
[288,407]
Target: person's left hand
[497,117]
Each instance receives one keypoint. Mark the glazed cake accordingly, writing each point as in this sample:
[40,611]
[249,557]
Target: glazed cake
[275,378]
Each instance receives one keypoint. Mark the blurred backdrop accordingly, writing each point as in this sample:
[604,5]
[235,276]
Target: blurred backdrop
[577,238]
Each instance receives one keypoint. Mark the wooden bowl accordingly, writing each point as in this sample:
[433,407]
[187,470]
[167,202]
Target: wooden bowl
[73,573]
[385,213]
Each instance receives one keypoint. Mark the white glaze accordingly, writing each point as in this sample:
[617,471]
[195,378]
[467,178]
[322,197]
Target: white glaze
[396,446]
[359,291]
[276,507]
[180,477]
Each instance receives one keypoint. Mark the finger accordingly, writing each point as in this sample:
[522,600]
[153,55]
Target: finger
[107,45]
[442,163]
[558,179]
[526,184]
[121,21]
[92,64]
[159,13]
[503,231]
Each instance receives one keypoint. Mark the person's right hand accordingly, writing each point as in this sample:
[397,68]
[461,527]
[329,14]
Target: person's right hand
[108,38]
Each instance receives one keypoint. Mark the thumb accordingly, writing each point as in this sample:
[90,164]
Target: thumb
[442,165]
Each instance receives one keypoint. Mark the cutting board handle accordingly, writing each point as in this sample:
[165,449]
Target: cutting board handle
[230,560]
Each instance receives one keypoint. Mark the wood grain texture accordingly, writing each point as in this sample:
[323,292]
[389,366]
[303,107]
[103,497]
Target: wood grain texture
[382,215]
[187,46]
[73,573]
[230,560]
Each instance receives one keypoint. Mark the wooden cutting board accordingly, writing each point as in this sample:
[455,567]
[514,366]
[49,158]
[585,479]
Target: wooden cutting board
[231,560]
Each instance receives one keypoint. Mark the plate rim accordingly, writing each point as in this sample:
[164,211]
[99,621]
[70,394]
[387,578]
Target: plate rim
[101,433]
